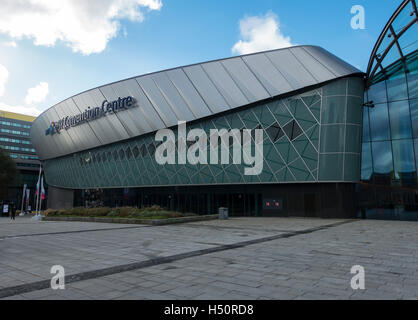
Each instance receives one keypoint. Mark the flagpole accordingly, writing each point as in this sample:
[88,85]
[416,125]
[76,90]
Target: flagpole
[23,197]
[37,188]
[41,188]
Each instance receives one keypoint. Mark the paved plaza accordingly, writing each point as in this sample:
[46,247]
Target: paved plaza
[239,258]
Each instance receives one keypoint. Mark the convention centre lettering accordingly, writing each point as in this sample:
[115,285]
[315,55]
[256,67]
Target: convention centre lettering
[90,114]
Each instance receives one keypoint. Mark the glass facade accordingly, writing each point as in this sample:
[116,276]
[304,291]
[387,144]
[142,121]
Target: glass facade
[388,188]
[15,139]
[310,137]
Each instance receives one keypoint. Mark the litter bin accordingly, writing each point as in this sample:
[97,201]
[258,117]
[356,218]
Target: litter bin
[223,213]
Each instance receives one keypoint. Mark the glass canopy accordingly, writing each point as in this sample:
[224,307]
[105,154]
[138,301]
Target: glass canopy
[397,43]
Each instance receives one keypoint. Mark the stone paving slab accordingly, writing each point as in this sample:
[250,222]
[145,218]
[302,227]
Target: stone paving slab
[313,265]
[24,226]
[83,247]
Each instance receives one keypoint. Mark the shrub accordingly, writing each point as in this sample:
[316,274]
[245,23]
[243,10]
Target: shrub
[98,212]
[50,212]
[113,213]
[79,211]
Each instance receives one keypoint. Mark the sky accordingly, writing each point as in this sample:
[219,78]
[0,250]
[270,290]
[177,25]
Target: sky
[51,50]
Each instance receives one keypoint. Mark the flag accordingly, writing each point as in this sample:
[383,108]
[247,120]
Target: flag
[37,188]
[38,183]
[27,197]
[42,189]
[24,192]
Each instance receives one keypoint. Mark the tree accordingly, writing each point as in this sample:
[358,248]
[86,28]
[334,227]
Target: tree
[8,172]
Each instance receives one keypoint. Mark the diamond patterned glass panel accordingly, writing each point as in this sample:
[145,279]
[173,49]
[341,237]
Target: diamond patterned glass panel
[121,154]
[275,132]
[135,152]
[292,130]
[292,136]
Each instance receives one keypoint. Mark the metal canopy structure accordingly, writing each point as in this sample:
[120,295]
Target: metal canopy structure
[397,41]
[186,94]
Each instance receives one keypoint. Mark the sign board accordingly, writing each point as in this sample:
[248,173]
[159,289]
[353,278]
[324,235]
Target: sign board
[6,208]
[90,114]
[273,204]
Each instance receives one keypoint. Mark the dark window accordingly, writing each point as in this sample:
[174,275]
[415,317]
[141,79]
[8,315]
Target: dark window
[292,130]
[135,152]
[121,154]
[275,132]
[144,151]
[128,153]
[151,149]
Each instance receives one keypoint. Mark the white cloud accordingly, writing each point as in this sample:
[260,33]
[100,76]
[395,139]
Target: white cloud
[37,94]
[32,111]
[4,75]
[259,33]
[12,44]
[85,26]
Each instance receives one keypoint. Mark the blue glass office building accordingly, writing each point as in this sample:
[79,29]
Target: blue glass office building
[336,142]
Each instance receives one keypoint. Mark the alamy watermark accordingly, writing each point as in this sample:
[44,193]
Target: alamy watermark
[58,280]
[358,281]
[358,21]
[193,147]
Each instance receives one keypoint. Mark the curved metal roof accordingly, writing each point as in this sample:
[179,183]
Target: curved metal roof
[186,93]
[397,40]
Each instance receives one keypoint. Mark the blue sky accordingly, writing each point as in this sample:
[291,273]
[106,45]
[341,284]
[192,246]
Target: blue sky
[59,52]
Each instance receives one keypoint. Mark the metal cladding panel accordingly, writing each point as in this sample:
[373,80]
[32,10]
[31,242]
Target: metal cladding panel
[82,138]
[291,68]
[225,84]
[173,97]
[68,140]
[108,129]
[245,79]
[206,88]
[318,70]
[189,93]
[37,135]
[157,100]
[185,93]
[136,121]
[339,67]
[267,74]
[51,146]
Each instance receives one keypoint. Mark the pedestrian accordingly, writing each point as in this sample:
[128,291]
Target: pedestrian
[13,211]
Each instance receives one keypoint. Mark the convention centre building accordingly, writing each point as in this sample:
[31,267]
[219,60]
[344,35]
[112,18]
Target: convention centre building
[335,141]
